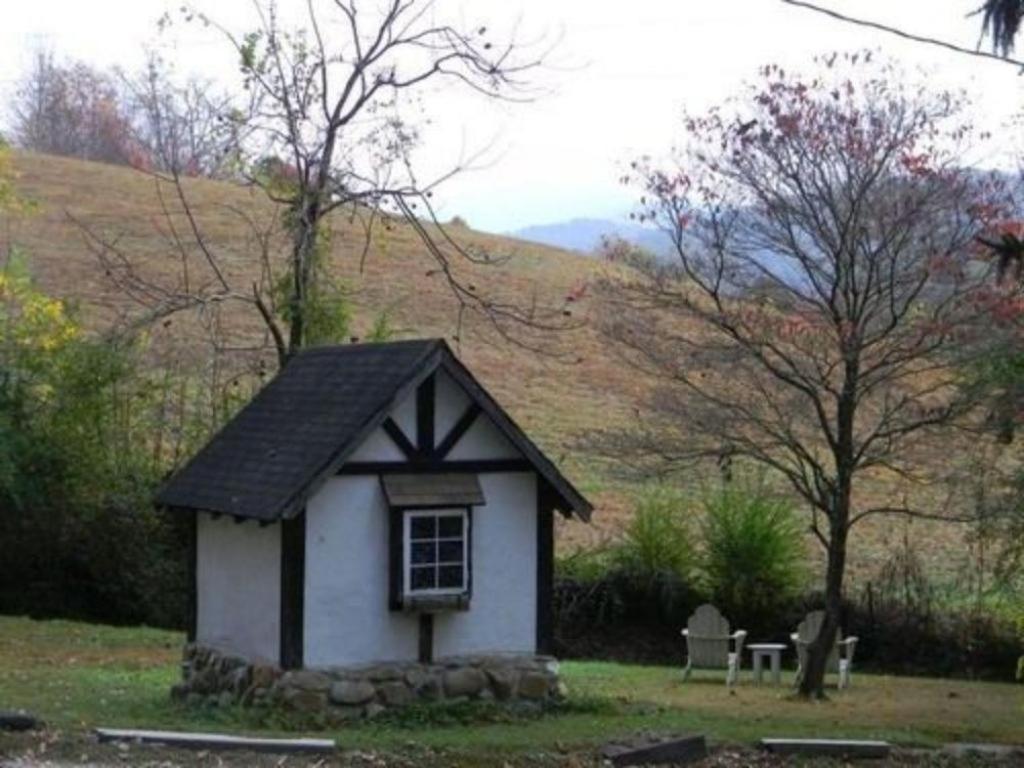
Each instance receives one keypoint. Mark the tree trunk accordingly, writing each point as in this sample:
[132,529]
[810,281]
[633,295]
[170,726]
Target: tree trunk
[303,253]
[812,683]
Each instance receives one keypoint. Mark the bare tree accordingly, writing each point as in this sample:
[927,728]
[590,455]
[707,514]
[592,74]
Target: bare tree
[824,294]
[324,129]
[73,110]
[179,128]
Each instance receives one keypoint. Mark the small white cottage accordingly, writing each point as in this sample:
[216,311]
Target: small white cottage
[375,515]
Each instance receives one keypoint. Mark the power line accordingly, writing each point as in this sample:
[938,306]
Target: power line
[907,35]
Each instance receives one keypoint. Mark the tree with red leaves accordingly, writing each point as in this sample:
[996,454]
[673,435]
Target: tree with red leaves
[826,290]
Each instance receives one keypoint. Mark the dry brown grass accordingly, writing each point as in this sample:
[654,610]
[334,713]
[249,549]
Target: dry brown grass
[556,397]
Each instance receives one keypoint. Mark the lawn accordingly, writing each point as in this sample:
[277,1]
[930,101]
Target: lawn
[77,676]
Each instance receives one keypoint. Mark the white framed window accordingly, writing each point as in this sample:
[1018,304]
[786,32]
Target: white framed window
[436,552]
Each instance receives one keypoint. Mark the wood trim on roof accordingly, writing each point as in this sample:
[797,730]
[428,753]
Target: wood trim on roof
[570,500]
[418,373]
[431,490]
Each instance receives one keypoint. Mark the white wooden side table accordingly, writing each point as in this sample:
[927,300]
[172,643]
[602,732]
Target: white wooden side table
[773,653]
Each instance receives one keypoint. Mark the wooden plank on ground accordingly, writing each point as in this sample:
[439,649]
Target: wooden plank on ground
[828,747]
[679,751]
[215,741]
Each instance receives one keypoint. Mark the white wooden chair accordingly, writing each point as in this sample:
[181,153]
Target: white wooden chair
[840,659]
[710,645]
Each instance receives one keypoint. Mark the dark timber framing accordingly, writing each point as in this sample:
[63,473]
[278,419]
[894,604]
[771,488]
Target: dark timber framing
[480,466]
[398,438]
[425,418]
[546,501]
[461,427]
[191,576]
[396,577]
[293,590]
[426,641]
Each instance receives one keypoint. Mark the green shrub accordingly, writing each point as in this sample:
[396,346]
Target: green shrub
[584,566]
[78,534]
[753,560]
[658,541]
[628,599]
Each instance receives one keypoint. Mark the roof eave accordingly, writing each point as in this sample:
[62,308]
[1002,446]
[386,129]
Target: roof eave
[437,356]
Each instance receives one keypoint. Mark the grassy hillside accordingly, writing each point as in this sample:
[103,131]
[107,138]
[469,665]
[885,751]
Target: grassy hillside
[555,396]
[577,385]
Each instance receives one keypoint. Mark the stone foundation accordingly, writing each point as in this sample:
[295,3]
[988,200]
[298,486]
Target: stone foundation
[212,677]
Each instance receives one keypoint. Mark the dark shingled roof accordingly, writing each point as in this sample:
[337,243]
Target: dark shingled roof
[301,427]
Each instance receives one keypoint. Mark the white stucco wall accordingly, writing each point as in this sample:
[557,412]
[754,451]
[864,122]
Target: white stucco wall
[379,447]
[405,417]
[483,441]
[449,404]
[347,617]
[347,620]
[238,579]
[502,617]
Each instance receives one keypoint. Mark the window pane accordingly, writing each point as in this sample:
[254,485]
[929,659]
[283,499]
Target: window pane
[422,578]
[449,552]
[423,527]
[450,526]
[422,553]
[450,576]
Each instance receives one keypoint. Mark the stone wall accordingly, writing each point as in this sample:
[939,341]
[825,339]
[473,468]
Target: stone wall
[211,677]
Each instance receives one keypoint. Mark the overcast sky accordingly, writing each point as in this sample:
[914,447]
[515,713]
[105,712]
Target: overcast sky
[618,81]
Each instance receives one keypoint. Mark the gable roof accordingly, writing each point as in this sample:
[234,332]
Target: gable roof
[301,427]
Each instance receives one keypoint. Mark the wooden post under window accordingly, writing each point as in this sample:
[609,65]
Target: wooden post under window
[426,648]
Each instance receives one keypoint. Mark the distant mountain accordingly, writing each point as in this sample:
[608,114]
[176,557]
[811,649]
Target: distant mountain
[584,235]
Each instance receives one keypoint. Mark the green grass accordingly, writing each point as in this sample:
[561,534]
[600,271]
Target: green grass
[77,676]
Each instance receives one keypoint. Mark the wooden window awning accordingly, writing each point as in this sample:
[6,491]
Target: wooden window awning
[432,490]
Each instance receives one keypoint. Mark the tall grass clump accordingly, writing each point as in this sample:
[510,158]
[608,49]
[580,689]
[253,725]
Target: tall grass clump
[754,558]
[656,557]
[658,541]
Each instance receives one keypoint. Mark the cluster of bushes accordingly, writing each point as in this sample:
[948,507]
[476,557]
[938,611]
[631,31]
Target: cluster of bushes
[741,547]
[78,535]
